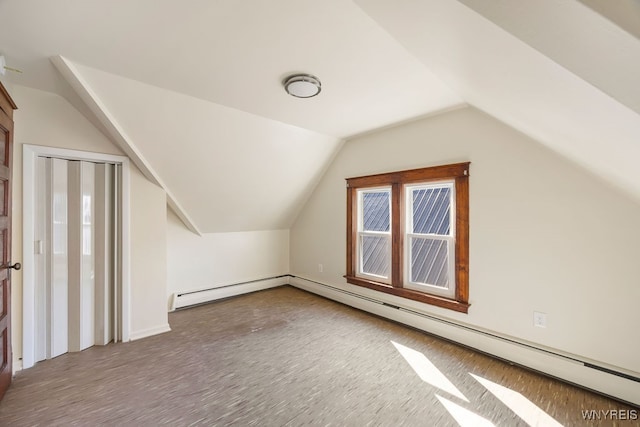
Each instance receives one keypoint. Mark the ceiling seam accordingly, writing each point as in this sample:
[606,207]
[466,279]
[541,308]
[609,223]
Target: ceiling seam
[117,134]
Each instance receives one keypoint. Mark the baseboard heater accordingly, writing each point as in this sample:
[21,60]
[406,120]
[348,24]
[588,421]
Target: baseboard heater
[611,382]
[202,296]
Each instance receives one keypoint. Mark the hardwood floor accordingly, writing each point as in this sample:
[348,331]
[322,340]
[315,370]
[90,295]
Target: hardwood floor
[286,357]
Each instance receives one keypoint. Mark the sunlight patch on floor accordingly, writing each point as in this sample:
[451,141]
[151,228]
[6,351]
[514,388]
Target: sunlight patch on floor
[463,416]
[519,404]
[427,371]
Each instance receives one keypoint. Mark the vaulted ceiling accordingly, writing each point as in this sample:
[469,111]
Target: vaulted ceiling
[192,90]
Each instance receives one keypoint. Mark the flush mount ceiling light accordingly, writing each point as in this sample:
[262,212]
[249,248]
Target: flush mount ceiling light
[302,85]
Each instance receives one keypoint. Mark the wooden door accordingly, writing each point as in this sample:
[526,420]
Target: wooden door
[6,151]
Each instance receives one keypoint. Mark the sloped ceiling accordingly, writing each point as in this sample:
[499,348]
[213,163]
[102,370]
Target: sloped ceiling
[231,170]
[192,90]
[585,43]
[578,106]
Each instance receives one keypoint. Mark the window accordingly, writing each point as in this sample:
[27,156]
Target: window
[408,234]
[374,234]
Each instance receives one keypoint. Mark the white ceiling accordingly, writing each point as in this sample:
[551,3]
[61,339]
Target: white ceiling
[192,89]
[228,168]
[572,35]
[234,53]
[520,84]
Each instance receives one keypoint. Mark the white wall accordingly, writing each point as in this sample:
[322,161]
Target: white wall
[47,119]
[217,259]
[148,257]
[545,235]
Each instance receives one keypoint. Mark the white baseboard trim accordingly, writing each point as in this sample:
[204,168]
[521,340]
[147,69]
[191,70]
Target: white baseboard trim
[570,369]
[186,299]
[136,335]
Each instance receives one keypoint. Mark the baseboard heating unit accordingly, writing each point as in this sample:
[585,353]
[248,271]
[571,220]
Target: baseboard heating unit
[624,386]
[201,296]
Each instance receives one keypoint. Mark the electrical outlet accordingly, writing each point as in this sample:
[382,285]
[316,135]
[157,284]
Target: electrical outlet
[320,268]
[539,319]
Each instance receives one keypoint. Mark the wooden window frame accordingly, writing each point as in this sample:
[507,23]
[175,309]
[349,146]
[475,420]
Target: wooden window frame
[459,173]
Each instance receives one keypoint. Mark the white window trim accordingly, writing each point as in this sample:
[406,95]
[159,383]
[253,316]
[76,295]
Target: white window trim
[361,233]
[449,292]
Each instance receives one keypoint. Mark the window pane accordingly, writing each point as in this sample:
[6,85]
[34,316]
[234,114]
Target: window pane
[375,207]
[431,210]
[375,255]
[430,262]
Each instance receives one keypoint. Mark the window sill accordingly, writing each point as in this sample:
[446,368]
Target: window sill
[411,294]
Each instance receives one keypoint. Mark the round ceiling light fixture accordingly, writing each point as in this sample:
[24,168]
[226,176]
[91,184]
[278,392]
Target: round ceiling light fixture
[302,85]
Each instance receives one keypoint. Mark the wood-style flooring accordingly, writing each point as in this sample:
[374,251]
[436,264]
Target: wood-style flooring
[284,357]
